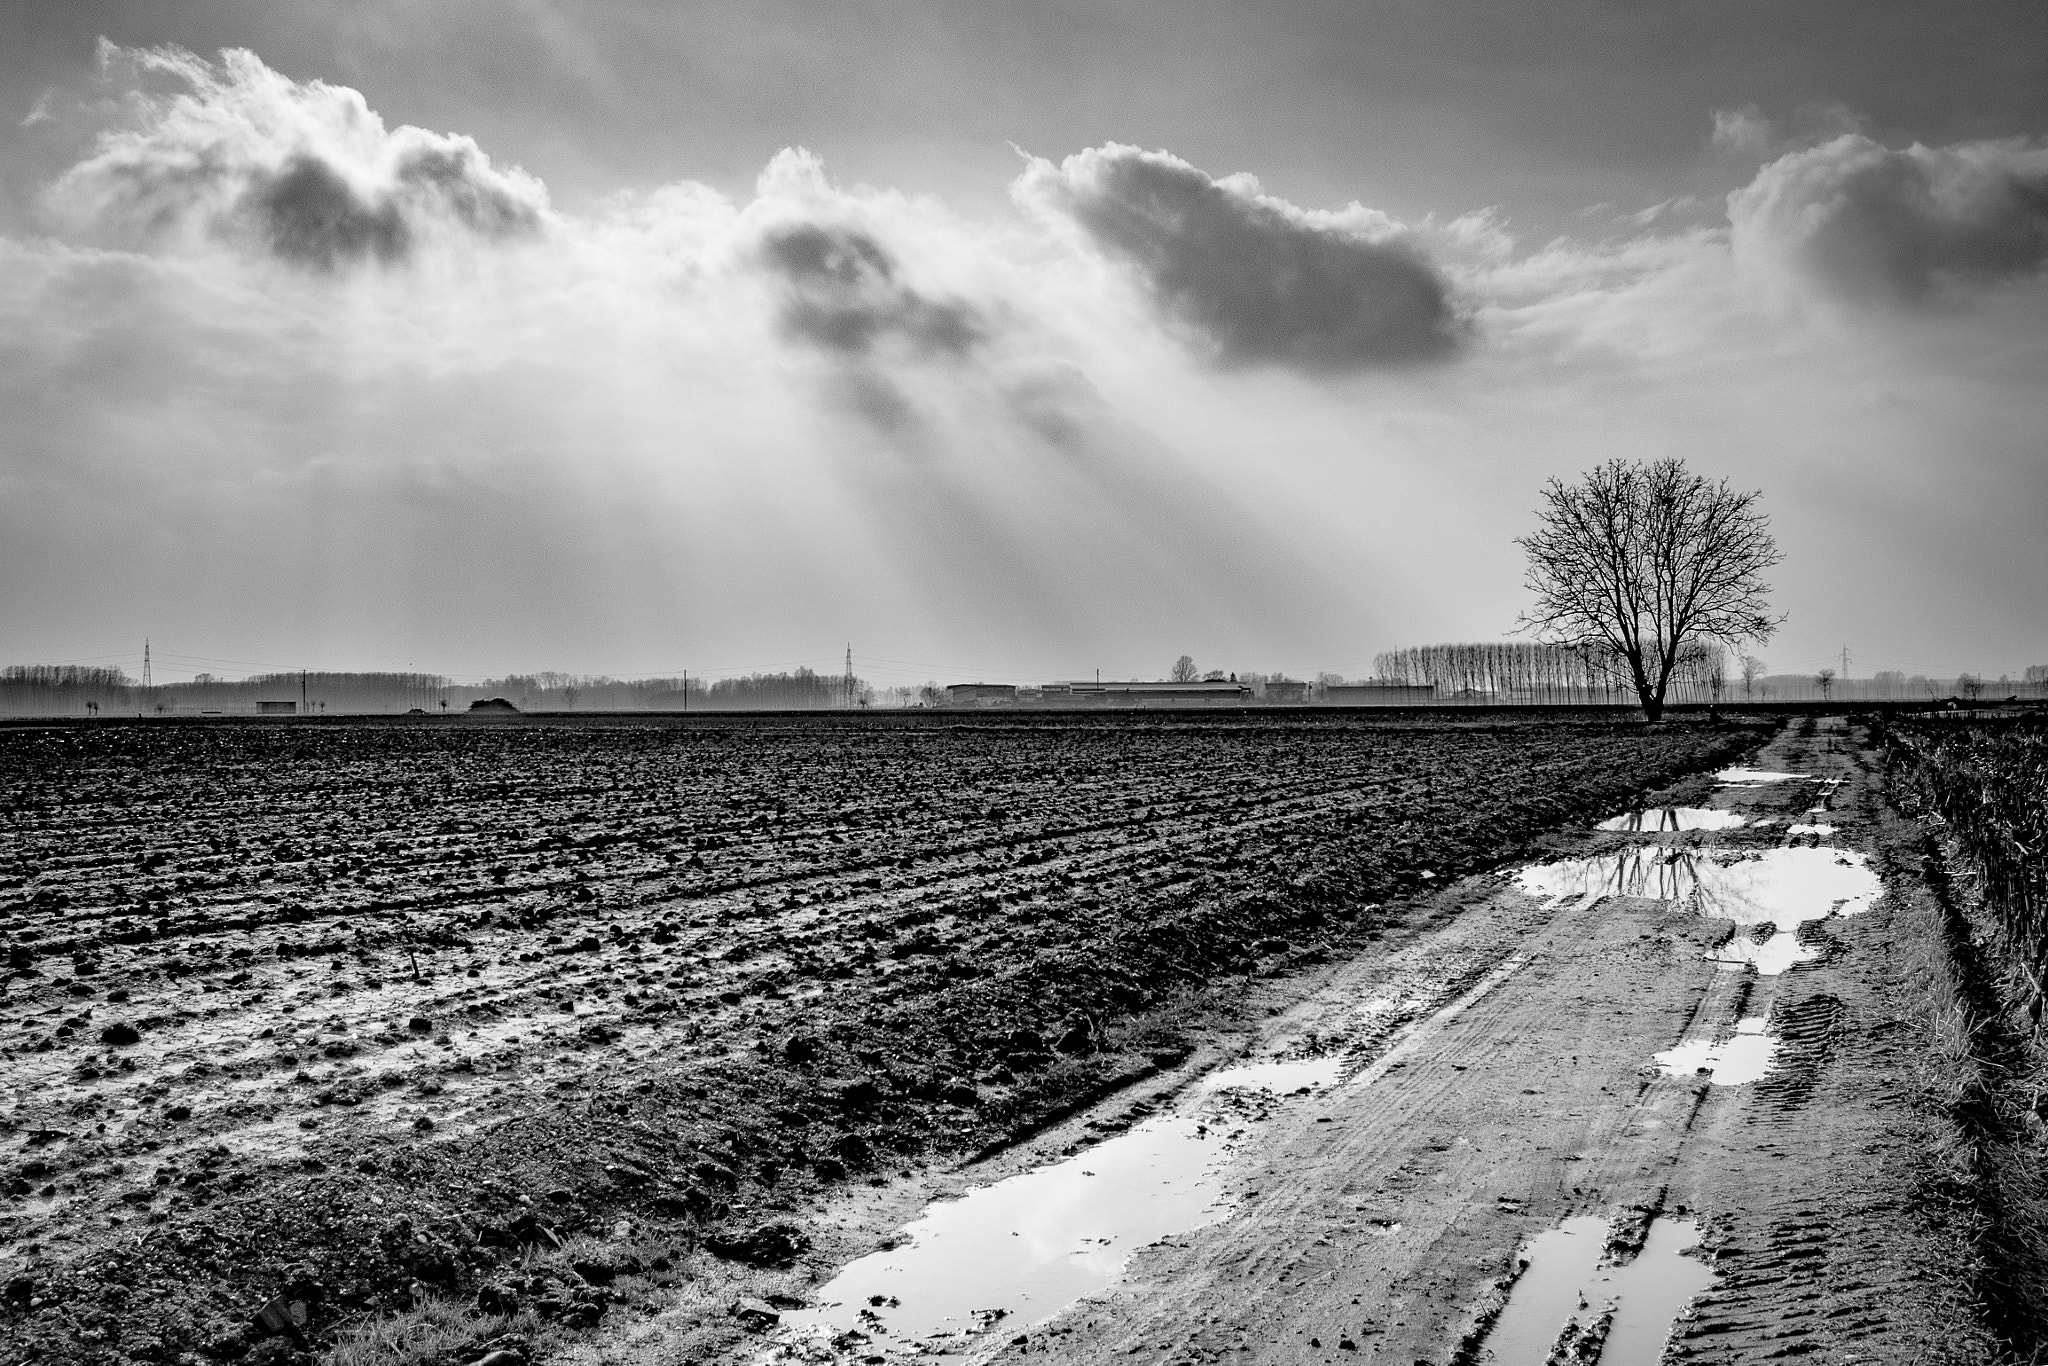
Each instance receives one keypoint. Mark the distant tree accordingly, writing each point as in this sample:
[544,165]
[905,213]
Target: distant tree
[2036,673]
[1213,676]
[569,696]
[1645,559]
[1752,670]
[931,694]
[1970,686]
[1826,679]
[1184,670]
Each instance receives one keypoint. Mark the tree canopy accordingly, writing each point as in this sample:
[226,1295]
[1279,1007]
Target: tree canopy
[1648,559]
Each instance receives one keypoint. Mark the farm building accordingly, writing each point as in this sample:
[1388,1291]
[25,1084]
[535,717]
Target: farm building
[1378,694]
[1138,693]
[981,695]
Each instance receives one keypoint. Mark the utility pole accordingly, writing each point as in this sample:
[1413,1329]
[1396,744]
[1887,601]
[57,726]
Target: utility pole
[846,686]
[302,692]
[1845,663]
[145,661]
[686,690]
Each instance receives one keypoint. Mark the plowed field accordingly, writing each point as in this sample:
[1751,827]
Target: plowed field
[354,1013]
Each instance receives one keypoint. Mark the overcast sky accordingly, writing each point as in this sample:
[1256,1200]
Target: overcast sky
[1004,341]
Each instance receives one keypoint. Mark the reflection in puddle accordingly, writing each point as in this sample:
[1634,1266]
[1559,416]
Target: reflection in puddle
[1567,1299]
[1757,777]
[1656,871]
[1732,1062]
[1278,1077]
[1014,1253]
[1783,888]
[1662,818]
[1778,951]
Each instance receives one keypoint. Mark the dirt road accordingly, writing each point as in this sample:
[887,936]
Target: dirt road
[1380,1217]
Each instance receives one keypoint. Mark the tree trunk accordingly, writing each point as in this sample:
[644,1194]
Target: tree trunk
[1652,699]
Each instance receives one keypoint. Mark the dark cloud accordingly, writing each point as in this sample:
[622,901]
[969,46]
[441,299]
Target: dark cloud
[309,214]
[307,172]
[1873,223]
[1259,279]
[846,294]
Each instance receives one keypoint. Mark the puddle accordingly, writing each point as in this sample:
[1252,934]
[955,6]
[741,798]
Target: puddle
[1279,1077]
[1758,777]
[1565,1288]
[1734,1061]
[1004,1258]
[1652,871]
[1663,818]
[1823,831]
[1783,888]
[1008,1256]
[1777,952]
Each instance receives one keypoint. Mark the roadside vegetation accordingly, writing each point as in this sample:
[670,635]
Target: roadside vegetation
[1980,790]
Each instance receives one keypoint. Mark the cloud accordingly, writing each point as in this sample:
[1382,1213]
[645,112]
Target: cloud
[1873,224]
[1743,130]
[291,381]
[273,342]
[845,293]
[1255,278]
[41,111]
[305,172]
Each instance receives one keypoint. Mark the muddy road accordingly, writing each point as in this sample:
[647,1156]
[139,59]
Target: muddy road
[1656,1098]
[545,1033]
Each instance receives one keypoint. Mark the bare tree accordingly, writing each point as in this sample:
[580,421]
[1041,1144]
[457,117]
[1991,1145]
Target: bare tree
[1752,670]
[1826,679]
[1644,560]
[1184,670]
[1970,686]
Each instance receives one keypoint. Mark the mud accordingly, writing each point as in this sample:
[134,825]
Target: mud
[1013,1254]
[403,994]
[1572,1301]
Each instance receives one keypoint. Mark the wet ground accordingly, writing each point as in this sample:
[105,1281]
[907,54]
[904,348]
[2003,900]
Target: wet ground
[1635,1105]
[354,1009]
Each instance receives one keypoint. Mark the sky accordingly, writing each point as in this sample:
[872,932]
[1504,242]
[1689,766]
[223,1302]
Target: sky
[999,341]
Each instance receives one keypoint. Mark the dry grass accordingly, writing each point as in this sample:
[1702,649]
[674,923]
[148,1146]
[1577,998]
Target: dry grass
[436,1332]
[684,1298]
[1977,958]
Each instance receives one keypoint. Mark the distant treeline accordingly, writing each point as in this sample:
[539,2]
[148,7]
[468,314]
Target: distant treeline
[1522,671]
[1525,671]
[74,690]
